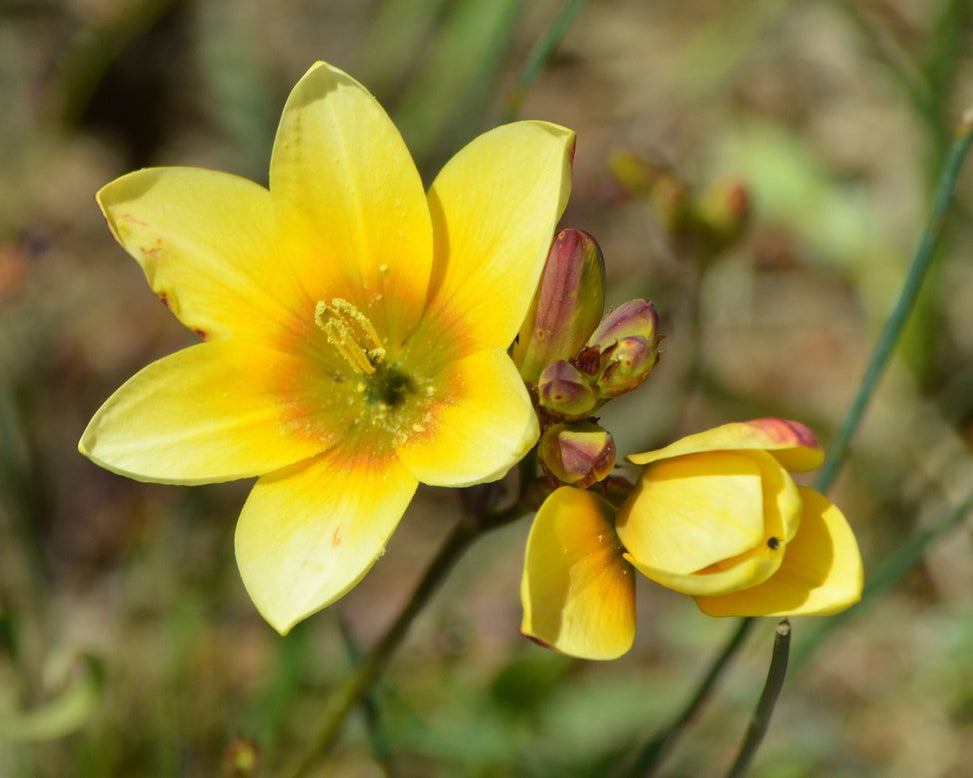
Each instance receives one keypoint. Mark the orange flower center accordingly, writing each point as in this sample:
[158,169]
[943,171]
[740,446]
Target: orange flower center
[355,338]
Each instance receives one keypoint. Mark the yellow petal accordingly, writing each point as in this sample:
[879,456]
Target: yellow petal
[339,160]
[781,504]
[821,572]
[479,424]
[203,414]
[308,534]
[494,207]
[209,244]
[577,592]
[693,511]
[793,444]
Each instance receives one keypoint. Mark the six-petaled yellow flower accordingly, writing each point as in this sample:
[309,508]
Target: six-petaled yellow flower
[715,515]
[354,331]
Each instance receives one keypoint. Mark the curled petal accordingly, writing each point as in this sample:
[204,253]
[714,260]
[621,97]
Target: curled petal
[577,591]
[309,533]
[821,572]
[793,444]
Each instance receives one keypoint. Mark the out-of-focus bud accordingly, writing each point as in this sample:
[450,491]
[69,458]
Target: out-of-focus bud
[623,350]
[642,178]
[724,212]
[579,454]
[241,759]
[569,302]
[564,392]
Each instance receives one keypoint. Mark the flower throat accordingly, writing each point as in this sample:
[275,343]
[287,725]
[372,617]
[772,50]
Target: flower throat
[355,338]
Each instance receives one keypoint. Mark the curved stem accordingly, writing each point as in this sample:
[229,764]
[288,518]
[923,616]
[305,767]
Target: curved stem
[897,319]
[656,749]
[892,331]
[768,699]
[341,702]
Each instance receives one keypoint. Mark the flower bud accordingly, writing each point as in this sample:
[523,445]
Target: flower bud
[563,391]
[579,454]
[623,350]
[569,302]
[626,365]
[636,317]
[723,213]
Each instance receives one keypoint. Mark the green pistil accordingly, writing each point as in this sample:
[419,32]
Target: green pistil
[388,385]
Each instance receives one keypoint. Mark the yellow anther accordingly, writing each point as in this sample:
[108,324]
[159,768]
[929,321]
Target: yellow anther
[351,333]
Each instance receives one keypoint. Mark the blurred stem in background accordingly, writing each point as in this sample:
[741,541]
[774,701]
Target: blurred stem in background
[656,749]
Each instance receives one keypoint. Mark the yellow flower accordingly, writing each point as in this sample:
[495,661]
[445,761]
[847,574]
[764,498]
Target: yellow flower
[715,515]
[355,331]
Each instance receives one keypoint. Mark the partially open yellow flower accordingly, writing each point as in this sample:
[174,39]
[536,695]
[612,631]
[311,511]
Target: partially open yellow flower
[715,515]
[355,331]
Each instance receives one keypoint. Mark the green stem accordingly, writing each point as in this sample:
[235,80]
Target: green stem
[344,699]
[540,55]
[880,357]
[656,749]
[896,321]
[768,699]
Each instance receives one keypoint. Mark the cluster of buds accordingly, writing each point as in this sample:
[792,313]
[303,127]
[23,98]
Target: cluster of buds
[575,360]
[703,224]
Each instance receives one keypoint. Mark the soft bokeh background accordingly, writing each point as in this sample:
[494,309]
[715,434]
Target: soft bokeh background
[128,646]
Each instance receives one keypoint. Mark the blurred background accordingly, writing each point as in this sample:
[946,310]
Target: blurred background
[762,169]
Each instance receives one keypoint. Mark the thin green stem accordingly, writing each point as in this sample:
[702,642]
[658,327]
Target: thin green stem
[768,699]
[347,696]
[656,749]
[659,746]
[540,55]
[897,319]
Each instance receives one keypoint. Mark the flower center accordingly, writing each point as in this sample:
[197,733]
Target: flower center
[355,338]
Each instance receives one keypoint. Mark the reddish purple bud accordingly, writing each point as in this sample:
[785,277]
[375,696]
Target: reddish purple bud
[623,350]
[563,391]
[578,454]
[626,365]
[568,304]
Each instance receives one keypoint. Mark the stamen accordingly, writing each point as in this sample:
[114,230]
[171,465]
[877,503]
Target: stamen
[351,333]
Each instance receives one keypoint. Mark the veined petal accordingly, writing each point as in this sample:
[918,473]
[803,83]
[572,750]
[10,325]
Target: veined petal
[204,414]
[693,511]
[793,444]
[479,424]
[209,244]
[494,208]
[309,533]
[821,572]
[339,159]
[577,591]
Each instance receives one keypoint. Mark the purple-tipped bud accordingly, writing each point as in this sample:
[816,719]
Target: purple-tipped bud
[636,317]
[568,304]
[626,364]
[564,392]
[579,454]
[623,350]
